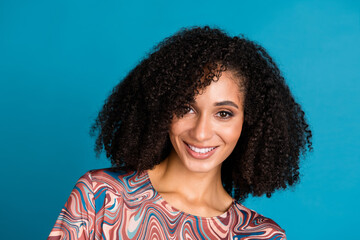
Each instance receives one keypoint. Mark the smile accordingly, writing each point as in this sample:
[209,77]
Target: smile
[200,150]
[200,153]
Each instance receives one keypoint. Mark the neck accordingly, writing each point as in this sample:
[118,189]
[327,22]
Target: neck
[170,176]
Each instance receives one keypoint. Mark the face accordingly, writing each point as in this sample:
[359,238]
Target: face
[207,134]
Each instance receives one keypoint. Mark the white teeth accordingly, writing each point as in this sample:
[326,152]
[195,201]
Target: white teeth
[200,150]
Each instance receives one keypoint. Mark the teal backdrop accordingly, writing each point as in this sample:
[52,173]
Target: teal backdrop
[59,60]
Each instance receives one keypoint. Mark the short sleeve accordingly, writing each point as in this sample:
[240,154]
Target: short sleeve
[76,220]
[268,228]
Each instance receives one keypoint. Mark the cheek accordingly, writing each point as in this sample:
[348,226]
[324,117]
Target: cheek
[174,130]
[172,136]
[231,135]
[179,126]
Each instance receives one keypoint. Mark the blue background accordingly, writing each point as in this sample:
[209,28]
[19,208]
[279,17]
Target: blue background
[59,60]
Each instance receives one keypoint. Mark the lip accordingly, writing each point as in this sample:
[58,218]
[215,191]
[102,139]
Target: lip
[199,155]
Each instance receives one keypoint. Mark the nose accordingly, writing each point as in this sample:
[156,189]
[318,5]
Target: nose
[202,129]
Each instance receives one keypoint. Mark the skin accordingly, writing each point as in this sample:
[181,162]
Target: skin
[190,181]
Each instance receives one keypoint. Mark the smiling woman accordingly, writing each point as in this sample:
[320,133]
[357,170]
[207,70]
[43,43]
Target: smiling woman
[200,123]
[208,132]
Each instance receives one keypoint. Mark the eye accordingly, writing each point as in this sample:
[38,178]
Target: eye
[225,114]
[188,109]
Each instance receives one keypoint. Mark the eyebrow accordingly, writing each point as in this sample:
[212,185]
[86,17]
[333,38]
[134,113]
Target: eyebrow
[229,103]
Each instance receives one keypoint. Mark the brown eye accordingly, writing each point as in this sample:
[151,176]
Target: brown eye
[188,109]
[225,114]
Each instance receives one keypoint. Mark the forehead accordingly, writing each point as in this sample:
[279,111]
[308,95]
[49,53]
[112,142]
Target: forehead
[227,87]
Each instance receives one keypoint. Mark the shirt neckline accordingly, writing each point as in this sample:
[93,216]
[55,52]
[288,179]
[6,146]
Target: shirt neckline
[221,216]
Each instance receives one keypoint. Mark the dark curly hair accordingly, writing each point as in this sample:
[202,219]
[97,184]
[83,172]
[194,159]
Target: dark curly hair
[133,125]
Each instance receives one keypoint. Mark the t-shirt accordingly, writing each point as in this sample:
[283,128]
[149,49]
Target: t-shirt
[105,204]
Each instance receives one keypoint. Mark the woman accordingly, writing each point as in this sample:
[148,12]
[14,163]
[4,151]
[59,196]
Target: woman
[200,123]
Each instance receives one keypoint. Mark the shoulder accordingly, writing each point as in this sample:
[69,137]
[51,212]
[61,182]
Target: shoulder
[108,176]
[255,223]
[116,181]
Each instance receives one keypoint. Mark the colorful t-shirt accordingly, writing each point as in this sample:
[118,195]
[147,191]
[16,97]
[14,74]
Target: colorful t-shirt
[124,205]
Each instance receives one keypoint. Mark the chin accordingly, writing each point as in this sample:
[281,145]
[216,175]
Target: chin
[200,166]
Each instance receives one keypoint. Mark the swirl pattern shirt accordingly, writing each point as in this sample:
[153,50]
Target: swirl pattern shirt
[124,205]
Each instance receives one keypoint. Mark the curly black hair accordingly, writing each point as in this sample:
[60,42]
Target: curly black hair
[133,125]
